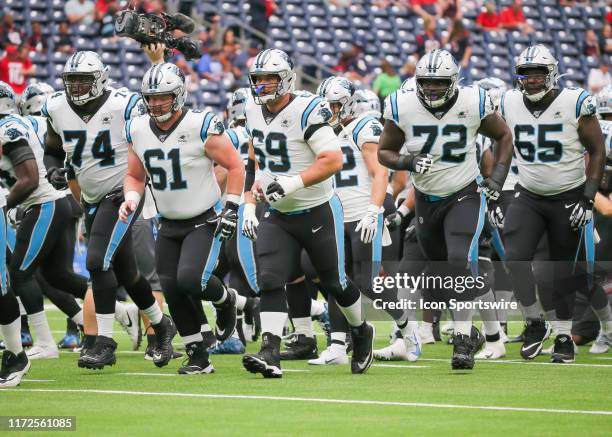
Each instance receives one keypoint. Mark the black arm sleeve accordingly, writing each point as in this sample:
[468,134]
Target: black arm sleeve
[18,151]
[250,175]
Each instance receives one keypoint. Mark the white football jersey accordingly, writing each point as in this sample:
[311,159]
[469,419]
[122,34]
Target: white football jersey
[353,183]
[240,139]
[14,128]
[182,178]
[606,129]
[483,144]
[39,124]
[281,147]
[450,137]
[549,155]
[96,149]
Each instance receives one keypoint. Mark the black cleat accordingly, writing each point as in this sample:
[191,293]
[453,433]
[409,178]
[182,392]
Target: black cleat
[363,344]
[226,316]
[14,367]
[165,331]
[463,352]
[196,361]
[301,347]
[478,340]
[563,350]
[87,343]
[436,330]
[251,316]
[536,331]
[209,339]
[267,361]
[101,354]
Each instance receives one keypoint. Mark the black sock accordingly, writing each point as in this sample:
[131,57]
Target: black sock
[25,327]
[71,326]
[151,340]
[492,338]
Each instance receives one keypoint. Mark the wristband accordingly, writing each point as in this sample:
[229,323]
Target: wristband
[403,210]
[133,196]
[404,162]
[295,183]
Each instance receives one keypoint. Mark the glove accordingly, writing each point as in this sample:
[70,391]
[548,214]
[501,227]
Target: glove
[57,178]
[283,186]
[250,222]
[226,221]
[581,214]
[15,215]
[368,225]
[420,163]
[394,220]
[495,213]
[490,188]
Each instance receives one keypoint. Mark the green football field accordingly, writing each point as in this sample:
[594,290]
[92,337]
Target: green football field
[506,397]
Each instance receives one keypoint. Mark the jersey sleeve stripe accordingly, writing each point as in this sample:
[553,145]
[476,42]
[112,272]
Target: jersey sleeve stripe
[393,100]
[44,110]
[130,106]
[501,105]
[359,127]
[205,124]
[313,104]
[233,137]
[581,98]
[128,136]
[482,101]
[16,120]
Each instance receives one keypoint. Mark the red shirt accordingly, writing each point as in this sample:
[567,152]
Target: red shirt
[511,19]
[488,21]
[11,72]
[609,17]
[423,2]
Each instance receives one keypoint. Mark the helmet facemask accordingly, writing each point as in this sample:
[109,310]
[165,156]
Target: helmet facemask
[161,112]
[81,87]
[535,81]
[269,90]
[436,91]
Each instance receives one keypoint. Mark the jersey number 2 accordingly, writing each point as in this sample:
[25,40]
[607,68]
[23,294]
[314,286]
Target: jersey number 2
[448,148]
[159,178]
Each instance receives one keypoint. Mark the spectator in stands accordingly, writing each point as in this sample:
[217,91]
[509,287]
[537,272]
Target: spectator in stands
[228,60]
[252,51]
[16,67]
[352,63]
[512,18]
[80,11]
[425,8]
[9,34]
[102,8]
[429,39]
[107,20]
[210,67]
[409,68]
[261,11]
[36,40]
[63,40]
[488,19]
[605,39]
[459,42]
[386,82]
[599,77]
[449,9]
[591,44]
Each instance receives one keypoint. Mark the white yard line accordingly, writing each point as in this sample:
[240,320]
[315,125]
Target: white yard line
[528,363]
[401,366]
[317,400]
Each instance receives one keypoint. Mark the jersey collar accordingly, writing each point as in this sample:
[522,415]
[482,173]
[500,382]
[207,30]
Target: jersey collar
[270,116]
[87,112]
[538,108]
[162,135]
[442,110]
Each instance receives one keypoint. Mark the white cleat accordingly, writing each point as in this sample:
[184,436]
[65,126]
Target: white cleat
[14,368]
[492,351]
[426,335]
[43,351]
[602,344]
[130,321]
[448,328]
[503,337]
[403,349]
[331,356]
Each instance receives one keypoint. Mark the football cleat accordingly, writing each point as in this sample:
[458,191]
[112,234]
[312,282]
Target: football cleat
[101,354]
[448,328]
[503,337]
[403,349]
[226,316]
[323,320]
[209,339]
[334,354]
[150,351]
[251,319]
[87,343]
[196,361]
[14,367]
[165,331]
[130,321]
[426,336]
[363,344]
[267,360]
[536,331]
[42,351]
[300,347]
[26,339]
[492,351]
[71,340]
[463,352]
[478,340]
[602,344]
[563,350]
[232,345]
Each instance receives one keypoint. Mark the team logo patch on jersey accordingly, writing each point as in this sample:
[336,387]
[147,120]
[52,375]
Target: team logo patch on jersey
[12,133]
[537,114]
[325,114]
[163,137]
[107,118]
[284,122]
[376,130]
[462,114]
[86,117]
[557,114]
[183,138]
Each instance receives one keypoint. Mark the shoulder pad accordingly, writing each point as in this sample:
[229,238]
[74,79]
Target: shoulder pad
[316,111]
[211,125]
[13,129]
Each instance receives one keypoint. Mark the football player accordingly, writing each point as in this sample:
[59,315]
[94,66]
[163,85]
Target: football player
[297,153]
[86,125]
[42,232]
[438,122]
[552,128]
[175,148]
